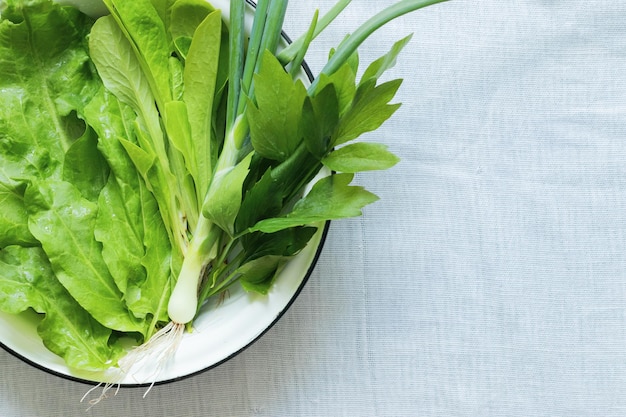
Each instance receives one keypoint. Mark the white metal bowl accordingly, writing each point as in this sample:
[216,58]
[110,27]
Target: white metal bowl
[222,330]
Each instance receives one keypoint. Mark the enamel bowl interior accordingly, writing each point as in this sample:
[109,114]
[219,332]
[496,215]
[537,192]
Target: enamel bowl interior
[223,329]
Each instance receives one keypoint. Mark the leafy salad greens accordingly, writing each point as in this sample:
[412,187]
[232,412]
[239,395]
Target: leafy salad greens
[154,157]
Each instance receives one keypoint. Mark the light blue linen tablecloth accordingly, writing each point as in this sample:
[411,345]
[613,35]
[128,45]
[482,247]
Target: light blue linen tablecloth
[490,280]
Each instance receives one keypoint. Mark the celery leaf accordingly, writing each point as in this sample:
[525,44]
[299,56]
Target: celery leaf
[330,198]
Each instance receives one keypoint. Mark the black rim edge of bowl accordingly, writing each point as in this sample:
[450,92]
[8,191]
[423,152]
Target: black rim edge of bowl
[305,279]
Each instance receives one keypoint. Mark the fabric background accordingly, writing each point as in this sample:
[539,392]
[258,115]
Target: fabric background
[490,280]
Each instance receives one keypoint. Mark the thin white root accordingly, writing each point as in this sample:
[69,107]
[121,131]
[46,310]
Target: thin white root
[106,387]
[151,358]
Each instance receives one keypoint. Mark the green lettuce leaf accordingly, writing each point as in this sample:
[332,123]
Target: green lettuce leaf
[135,244]
[200,78]
[45,75]
[145,30]
[64,222]
[14,216]
[85,167]
[45,79]
[28,281]
[124,76]
[185,17]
